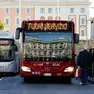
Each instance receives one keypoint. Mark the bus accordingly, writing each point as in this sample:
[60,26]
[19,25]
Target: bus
[48,48]
[9,62]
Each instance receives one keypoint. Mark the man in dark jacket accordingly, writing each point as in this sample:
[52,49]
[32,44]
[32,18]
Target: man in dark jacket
[90,65]
[93,55]
[1,77]
[83,60]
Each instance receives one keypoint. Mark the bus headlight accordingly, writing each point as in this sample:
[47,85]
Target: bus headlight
[69,69]
[27,69]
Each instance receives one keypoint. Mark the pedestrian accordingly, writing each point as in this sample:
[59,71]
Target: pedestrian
[83,60]
[90,64]
[92,55]
[1,77]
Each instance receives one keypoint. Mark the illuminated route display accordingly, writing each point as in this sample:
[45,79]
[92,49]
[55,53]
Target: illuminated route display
[48,26]
[4,42]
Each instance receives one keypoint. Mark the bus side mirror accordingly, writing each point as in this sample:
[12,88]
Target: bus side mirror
[12,42]
[15,48]
[76,38]
[17,35]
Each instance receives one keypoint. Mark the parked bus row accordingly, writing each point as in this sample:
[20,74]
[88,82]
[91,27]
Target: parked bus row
[47,49]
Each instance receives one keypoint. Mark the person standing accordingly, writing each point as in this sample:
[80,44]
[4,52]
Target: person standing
[1,77]
[92,55]
[83,60]
[90,65]
[93,62]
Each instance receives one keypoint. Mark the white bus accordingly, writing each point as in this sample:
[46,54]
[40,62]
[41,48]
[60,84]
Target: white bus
[9,59]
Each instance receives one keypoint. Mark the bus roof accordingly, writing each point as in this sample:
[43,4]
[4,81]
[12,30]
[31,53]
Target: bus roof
[6,35]
[48,21]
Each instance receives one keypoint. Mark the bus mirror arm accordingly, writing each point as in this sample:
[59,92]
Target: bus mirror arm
[76,38]
[15,48]
[17,35]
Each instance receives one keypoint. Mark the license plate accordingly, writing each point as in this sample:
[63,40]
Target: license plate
[47,74]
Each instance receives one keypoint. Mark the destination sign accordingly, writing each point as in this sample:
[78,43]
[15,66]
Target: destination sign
[47,26]
[4,42]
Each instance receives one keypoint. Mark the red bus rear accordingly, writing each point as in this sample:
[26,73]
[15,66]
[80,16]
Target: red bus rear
[47,48]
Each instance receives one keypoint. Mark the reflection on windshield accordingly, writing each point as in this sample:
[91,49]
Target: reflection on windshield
[6,52]
[48,47]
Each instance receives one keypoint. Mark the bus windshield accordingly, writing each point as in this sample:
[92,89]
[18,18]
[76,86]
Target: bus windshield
[6,50]
[48,46]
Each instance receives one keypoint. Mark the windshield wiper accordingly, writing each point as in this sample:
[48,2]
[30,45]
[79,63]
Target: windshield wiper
[66,58]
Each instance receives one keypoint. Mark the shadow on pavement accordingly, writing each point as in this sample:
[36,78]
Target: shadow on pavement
[46,80]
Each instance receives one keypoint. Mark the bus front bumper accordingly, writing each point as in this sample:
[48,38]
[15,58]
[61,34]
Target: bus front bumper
[68,71]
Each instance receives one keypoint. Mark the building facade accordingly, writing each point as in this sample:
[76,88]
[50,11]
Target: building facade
[14,11]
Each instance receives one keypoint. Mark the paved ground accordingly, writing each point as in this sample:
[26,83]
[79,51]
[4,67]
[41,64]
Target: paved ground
[91,80]
[15,85]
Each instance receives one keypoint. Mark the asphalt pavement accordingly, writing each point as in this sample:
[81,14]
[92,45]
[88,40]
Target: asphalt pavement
[16,85]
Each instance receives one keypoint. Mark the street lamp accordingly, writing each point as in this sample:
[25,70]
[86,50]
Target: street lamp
[91,21]
[86,43]
[92,29]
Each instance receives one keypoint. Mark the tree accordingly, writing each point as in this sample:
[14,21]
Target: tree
[2,25]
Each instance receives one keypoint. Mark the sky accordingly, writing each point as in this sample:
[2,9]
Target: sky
[92,0]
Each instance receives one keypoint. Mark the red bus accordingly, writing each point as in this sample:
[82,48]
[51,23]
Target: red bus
[47,48]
